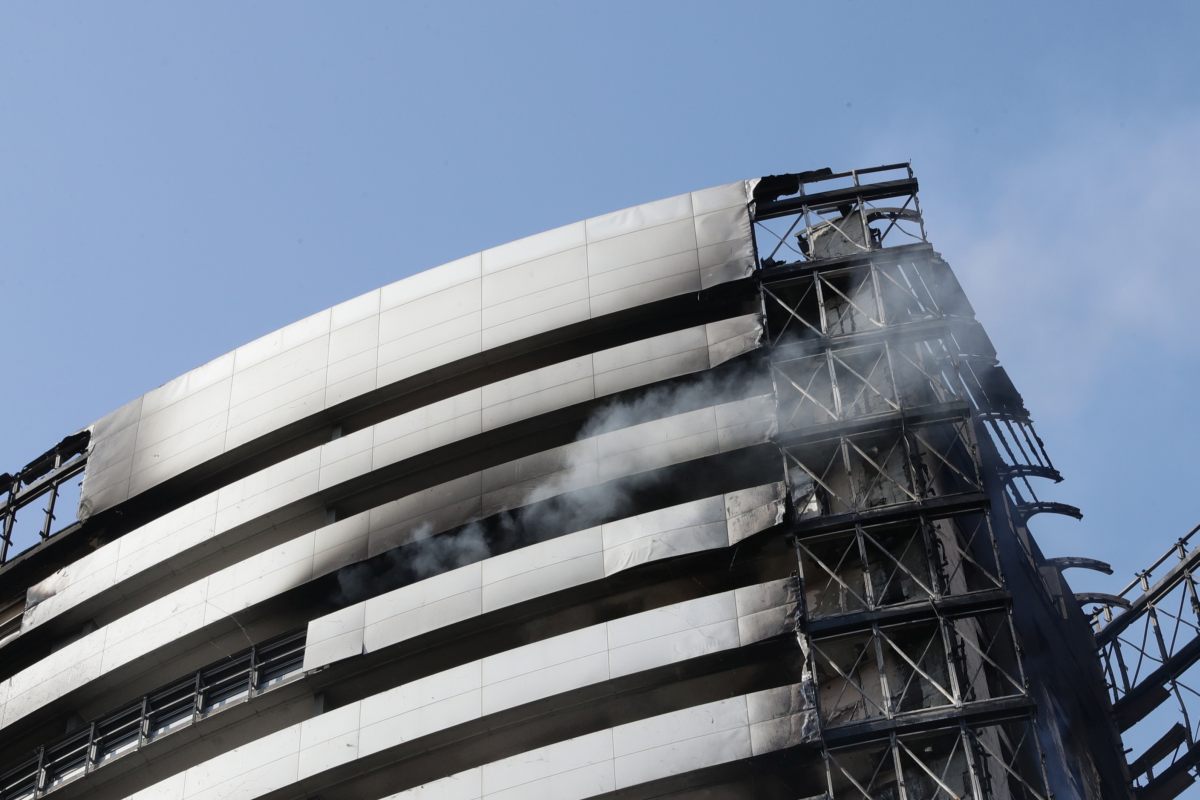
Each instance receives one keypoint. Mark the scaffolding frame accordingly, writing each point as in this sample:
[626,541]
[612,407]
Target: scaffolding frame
[1148,640]
[883,382]
[44,479]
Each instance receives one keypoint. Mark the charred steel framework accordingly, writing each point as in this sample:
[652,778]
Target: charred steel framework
[43,479]
[899,436]
[882,386]
[1149,640]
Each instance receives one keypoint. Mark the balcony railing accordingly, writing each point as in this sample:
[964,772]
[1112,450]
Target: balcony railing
[233,680]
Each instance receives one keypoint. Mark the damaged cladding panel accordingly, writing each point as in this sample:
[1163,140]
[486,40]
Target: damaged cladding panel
[720,495]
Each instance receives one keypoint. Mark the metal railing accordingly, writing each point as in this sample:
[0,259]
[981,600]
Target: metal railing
[1148,636]
[235,679]
[45,481]
[813,216]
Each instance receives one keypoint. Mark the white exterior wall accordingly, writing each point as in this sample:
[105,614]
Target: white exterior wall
[470,413]
[680,741]
[570,274]
[647,446]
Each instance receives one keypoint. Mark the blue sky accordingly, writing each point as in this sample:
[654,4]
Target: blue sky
[177,180]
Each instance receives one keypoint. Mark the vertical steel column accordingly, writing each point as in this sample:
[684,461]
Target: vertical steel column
[898,766]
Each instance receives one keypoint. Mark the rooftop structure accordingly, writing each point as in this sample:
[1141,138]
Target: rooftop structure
[723,495]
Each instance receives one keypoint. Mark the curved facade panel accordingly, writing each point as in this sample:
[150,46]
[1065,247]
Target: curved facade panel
[461,309]
[721,495]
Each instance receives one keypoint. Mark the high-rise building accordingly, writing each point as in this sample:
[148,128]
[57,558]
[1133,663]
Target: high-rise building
[724,495]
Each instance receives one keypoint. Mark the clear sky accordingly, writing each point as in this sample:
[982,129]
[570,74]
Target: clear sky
[176,180]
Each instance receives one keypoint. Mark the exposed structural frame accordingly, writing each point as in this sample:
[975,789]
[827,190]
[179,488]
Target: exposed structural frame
[723,494]
[33,493]
[877,370]
[1148,636]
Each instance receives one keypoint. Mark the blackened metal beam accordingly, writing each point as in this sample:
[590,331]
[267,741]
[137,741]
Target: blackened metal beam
[1081,562]
[955,411]
[1012,471]
[792,272]
[1104,598]
[835,197]
[932,508]
[983,712]
[953,606]
[1150,692]
[1156,752]
[894,334]
[1027,510]
[1149,597]
[1174,779]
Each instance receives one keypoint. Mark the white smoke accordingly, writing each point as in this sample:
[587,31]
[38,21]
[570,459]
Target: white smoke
[438,554]
[570,498]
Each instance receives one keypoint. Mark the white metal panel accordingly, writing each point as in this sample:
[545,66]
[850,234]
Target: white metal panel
[455,302]
[329,740]
[673,633]
[354,375]
[348,457]
[729,338]
[248,770]
[424,606]
[688,528]
[532,393]
[501,580]
[75,664]
[520,282]
[356,309]
[647,360]
[341,542]
[465,785]
[109,466]
[642,245]
[583,766]
[681,741]
[576,669]
[427,512]
[354,338]
[431,281]
[568,560]
[647,215]
[755,509]
[532,248]
[439,342]
[335,636]
[202,402]
[509,292]
[766,610]
[419,708]
[550,308]
[281,341]
[395,616]
[781,717]
[162,538]
[167,789]
[567,770]
[639,284]
[561,562]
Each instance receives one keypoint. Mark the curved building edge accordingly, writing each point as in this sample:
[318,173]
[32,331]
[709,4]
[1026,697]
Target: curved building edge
[636,507]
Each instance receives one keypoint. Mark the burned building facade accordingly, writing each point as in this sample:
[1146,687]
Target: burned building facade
[724,495]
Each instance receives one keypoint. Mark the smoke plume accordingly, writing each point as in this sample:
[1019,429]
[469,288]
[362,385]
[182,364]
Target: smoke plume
[574,496]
